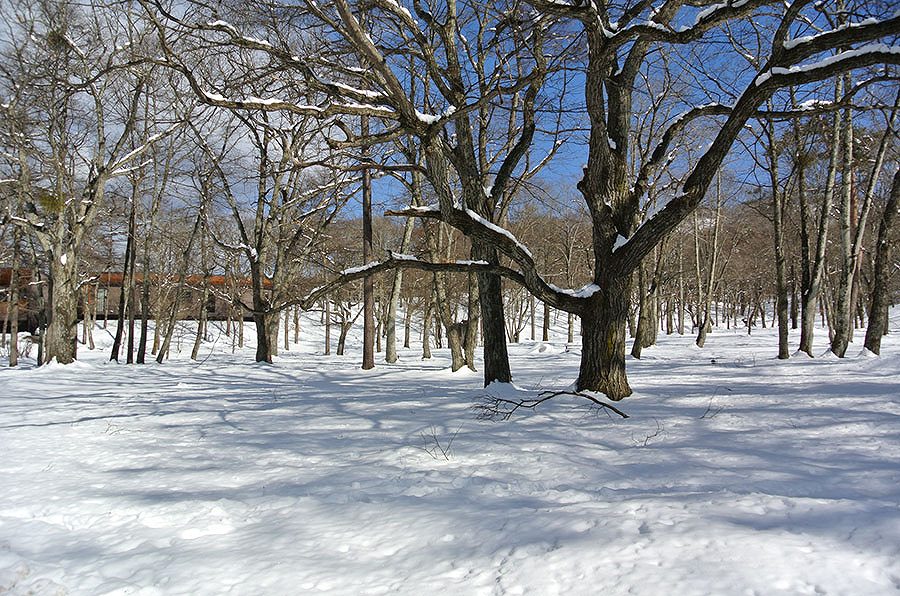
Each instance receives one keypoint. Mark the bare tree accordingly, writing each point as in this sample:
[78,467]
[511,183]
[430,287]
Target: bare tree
[74,98]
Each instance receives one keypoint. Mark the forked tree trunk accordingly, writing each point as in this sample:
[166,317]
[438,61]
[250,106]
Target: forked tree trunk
[454,339]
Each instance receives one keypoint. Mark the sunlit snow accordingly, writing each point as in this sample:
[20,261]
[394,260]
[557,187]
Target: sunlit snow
[735,474]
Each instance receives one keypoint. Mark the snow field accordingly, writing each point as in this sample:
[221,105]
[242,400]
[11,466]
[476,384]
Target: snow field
[736,474]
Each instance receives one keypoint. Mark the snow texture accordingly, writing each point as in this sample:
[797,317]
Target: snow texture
[736,474]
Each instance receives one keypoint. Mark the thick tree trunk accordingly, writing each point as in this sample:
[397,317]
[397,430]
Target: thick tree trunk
[266,344]
[496,359]
[61,339]
[880,298]
[273,324]
[603,341]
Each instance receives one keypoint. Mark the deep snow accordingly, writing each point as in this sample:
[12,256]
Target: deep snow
[736,474]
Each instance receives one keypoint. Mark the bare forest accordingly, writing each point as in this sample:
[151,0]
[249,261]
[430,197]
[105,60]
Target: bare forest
[453,175]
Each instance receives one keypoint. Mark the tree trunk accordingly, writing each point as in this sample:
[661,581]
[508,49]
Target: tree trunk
[145,306]
[641,332]
[61,339]
[842,324]
[390,352]
[426,328]
[880,298]
[273,325]
[407,324]
[173,313]
[781,289]
[473,323]
[368,360]
[545,323]
[201,321]
[265,349]
[327,312]
[603,325]
[496,359]
[13,308]
[454,340]
[124,290]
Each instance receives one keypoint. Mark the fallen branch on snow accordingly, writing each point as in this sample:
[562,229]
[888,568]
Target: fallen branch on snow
[494,407]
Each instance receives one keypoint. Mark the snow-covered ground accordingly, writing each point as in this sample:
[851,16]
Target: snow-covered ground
[736,474]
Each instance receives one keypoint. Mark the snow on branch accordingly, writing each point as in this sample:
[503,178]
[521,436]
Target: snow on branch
[872,53]
[706,19]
